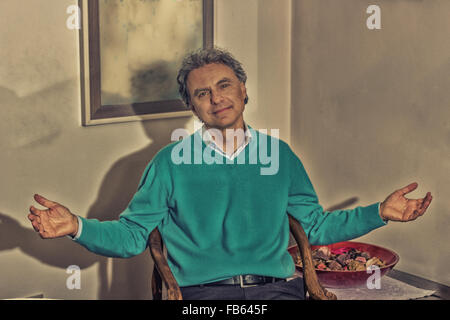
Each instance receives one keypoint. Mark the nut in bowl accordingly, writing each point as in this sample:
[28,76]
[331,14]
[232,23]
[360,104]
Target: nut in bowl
[347,264]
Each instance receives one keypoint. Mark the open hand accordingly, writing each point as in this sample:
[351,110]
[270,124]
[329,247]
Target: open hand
[398,208]
[54,222]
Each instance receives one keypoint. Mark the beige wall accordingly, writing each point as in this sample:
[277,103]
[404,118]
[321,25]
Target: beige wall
[371,112]
[94,170]
[259,33]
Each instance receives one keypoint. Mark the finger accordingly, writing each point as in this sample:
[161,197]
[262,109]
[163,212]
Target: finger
[42,234]
[410,214]
[35,226]
[34,221]
[421,202]
[413,217]
[426,203]
[421,209]
[33,218]
[35,211]
[40,228]
[44,202]
[408,188]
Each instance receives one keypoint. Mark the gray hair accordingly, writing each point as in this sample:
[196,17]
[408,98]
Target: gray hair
[202,57]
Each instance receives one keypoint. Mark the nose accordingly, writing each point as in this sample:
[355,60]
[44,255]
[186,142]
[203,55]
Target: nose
[216,97]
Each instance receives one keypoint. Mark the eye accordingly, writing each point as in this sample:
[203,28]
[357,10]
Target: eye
[202,94]
[224,85]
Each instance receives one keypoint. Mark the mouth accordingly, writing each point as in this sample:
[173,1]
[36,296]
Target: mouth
[222,110]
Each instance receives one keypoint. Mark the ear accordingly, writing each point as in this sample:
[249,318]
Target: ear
[243,88]
[244,92]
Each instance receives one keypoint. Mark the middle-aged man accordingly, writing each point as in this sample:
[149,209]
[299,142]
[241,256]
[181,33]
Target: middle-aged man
[222,217]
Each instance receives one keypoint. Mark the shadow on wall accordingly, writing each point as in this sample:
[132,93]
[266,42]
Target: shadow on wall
[130,278]
[19,114]
[125,278]
[118,278]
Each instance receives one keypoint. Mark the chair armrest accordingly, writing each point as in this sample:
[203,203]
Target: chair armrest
[162,267]
[312,284]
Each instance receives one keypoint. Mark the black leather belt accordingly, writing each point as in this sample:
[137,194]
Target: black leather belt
[246,280]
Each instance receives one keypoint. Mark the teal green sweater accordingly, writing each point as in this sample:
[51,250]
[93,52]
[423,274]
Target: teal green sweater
[220,220]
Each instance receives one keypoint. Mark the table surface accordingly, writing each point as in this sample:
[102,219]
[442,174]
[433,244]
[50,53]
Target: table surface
[442,291]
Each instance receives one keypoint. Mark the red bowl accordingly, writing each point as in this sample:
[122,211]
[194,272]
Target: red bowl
[351,279]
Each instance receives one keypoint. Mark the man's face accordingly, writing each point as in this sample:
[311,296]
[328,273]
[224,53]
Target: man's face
[217,96]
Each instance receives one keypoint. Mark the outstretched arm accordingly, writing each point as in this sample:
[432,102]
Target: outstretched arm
[55,221]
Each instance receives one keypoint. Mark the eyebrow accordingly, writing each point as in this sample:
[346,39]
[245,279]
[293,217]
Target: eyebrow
[197,91]
[223,80]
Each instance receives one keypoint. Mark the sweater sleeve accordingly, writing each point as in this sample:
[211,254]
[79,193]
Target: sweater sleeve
[324,227]
[128,236]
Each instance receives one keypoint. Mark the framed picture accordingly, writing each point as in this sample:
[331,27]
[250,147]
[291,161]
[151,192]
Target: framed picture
[130,54]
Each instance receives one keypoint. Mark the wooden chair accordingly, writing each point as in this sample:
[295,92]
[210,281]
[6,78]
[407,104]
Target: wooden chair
[162,272]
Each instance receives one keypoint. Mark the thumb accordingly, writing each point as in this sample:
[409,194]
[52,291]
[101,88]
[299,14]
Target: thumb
[409,188]
[44,202]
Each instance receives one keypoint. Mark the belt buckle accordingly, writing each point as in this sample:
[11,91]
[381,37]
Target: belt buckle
[241,282]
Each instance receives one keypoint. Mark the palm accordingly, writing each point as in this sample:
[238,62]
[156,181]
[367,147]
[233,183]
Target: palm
[397,207]
[56,221]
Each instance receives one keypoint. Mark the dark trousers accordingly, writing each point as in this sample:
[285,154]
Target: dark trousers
[281,290]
